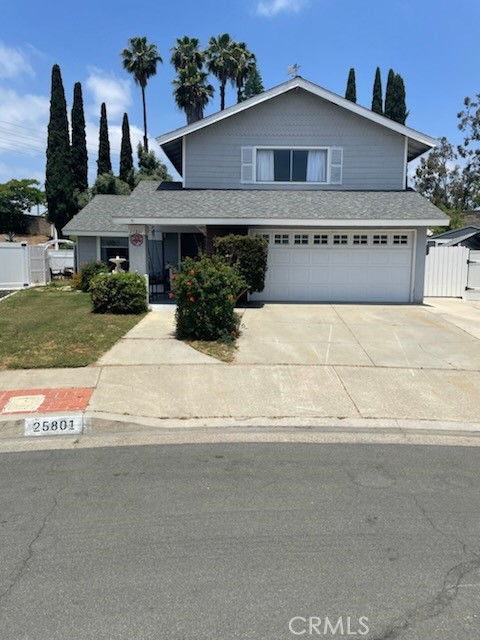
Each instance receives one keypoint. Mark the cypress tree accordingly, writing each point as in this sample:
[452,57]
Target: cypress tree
[126,155]
[377,99]
[104,163]
[254,83]
[58,179]
[390,95]
[79,141]
[401,112]
[395,105]
[351,92]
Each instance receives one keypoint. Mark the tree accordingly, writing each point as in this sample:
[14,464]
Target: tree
[192,93]
[351,92]
[141,60]
[440,179]
[104,163]
[221,62]
[377,99]
[79,141]
[126,173]
[244,61]
[59,181]
[469,151]
[107,183]
[16,198]
[187,52]
[149,167]
[253,84]
[395,98]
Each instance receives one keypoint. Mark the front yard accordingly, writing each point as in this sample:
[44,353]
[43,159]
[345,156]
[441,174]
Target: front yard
[53,327]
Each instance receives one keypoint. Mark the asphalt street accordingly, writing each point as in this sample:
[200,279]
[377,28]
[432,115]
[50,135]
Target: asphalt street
[241,541]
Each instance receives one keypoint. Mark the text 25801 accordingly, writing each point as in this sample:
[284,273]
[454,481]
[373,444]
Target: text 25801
[53,425]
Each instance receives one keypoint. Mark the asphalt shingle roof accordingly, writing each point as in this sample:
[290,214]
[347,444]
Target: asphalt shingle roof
[148,201]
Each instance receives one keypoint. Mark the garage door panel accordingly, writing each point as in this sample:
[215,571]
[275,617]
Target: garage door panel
[354,272]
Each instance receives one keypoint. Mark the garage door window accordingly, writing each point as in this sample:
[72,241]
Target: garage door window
[300,238]
[380,239]
[360,239]
[340,238]
[320,239]
[400,239]
[281,238]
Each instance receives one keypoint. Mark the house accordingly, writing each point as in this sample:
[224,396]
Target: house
[321,178]
[468,236]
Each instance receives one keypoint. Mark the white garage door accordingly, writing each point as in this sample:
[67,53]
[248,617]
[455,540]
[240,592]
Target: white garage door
[338,266]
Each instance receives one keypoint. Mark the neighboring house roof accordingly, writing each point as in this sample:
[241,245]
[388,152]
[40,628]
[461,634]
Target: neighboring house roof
[418,142]
[97,216]
[470,240]
[456,233]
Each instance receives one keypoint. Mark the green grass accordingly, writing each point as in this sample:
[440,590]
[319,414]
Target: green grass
[53,327]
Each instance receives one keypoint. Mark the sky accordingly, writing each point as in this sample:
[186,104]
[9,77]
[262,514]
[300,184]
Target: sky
[432,44]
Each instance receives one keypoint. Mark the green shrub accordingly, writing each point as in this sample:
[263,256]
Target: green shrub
[119,293]
[249,254]
[89,271]
[206,290]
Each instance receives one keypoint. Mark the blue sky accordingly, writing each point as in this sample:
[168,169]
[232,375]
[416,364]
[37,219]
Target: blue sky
[433,44]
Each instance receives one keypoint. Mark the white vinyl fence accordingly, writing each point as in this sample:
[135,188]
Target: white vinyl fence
[473,280]
[22,265]
[14,265]
[446,272]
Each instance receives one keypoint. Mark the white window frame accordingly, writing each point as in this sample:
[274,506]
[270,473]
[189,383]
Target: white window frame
[289,148]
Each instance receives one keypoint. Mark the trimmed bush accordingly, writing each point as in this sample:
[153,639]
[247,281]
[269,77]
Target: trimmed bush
[206,290]
[249,254]
[118,293]
[89,271]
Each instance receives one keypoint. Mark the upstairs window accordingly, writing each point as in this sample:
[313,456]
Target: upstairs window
[292,165]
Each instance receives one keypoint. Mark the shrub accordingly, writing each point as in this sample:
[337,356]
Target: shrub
[249,254]
[206,290]
[89,271]
[119,293]
[76,281]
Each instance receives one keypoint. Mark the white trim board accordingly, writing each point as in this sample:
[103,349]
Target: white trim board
[287,222]
[314,89]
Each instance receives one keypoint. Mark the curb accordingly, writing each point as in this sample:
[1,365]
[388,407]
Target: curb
[110,430]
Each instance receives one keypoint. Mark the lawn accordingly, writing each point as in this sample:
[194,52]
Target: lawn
[52,327]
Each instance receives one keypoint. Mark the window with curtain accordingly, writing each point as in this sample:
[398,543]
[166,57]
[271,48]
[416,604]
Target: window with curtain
[291,165]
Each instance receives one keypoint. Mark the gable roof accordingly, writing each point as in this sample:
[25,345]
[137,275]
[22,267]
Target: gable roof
[457,233]
[96,217]
[418,142]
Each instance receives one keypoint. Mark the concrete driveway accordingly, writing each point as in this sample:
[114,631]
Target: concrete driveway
[443,336]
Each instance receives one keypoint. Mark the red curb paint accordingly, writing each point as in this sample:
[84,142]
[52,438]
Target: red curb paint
[64,399]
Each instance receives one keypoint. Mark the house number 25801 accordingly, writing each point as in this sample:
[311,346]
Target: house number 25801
[55,425]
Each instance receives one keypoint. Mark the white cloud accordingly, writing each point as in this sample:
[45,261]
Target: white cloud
[13,62]
[115,92]
[23,122]
[269,8]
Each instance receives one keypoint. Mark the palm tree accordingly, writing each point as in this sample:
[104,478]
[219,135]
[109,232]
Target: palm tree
[245,60]
[220,61]
[186,52]
[192,92]
[141,59]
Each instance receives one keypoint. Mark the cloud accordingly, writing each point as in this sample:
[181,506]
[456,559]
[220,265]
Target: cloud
[270,8]
[23,122]
[115,92]
[13,62]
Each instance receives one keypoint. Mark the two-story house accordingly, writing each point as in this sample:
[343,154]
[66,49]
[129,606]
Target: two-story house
[322,179]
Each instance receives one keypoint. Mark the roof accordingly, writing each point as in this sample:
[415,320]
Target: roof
[470,238]
[456,233]
[97,216]
[418,142]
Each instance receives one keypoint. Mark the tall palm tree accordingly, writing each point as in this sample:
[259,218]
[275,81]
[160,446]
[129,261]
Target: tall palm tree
[186,52]
[244,62]
[192,92]
[140,59]
[220,61]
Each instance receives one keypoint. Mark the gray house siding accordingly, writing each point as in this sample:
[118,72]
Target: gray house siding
[419,273]
[86,250]
[373,157]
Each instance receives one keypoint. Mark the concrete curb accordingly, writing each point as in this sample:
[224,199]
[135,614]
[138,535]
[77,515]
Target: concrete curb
[109,430]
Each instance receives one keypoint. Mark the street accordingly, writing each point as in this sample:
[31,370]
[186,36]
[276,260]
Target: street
[241,541]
